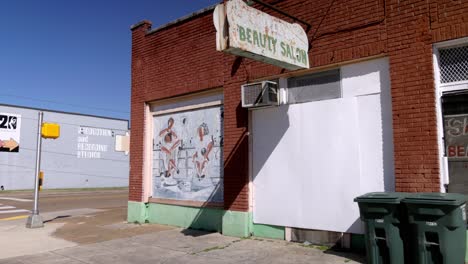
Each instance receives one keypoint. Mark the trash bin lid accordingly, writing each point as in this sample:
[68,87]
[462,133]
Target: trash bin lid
[436,198]
[381,197]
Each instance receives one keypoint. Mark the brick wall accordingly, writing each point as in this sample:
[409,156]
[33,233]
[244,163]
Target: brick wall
[137,115]
[413,97]
[182,59]
[412,28]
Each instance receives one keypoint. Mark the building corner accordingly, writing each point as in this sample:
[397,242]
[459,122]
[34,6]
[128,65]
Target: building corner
[137,212]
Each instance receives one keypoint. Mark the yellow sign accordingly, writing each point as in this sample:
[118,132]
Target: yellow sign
[50,130]
[41,180]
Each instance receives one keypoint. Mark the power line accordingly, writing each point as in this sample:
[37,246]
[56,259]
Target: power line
[77,125]
[66,172]
[17,166]
[85,174]
[69,154]
[67,104]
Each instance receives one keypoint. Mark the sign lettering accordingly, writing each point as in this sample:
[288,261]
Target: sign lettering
[254,34]
[456,136]
[87,150]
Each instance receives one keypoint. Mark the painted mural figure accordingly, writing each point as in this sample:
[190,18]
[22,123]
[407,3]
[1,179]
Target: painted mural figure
[201,161]
[187,159]
[170,146]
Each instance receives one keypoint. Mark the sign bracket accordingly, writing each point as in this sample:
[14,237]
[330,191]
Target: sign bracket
[309,26]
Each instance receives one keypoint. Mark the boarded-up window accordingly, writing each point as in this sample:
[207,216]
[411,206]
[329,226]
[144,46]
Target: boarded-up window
[188,155]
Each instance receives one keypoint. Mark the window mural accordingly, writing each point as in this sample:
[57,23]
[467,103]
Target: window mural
[188,155]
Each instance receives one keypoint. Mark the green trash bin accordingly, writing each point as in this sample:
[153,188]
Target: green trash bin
[438,227]
[385,226]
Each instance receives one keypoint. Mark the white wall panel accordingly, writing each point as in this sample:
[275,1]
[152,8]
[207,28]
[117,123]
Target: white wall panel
[370,139]
[307,180]
[369,81]
[310,160]
[364,78]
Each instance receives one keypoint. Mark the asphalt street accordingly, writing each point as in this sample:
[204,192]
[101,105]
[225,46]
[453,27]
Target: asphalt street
[17,205]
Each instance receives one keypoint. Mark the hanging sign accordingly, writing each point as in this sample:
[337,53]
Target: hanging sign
[10,128]
[245,31]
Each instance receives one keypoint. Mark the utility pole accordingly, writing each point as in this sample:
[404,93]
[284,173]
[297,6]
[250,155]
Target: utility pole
[35,220]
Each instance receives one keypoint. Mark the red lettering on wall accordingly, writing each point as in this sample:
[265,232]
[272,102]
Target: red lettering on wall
[460,151]
[452,151]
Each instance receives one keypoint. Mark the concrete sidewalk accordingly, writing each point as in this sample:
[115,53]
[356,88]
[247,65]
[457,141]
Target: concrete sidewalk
[68,228]
[101,236]
[187,246]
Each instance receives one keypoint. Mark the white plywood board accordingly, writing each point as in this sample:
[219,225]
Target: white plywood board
[306,165]
[371,143]
[276,156]
[365,78]
[369,82]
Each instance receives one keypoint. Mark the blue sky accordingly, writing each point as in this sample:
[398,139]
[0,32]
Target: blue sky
[75,55]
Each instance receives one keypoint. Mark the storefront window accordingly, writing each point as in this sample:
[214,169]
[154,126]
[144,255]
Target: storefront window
[455,111]
[454,64]
[314,87]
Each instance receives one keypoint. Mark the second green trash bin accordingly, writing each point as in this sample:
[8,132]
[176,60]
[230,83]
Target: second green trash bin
[438,227]
[385,224]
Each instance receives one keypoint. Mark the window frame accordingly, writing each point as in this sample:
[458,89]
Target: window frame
[286,83]
[197,101]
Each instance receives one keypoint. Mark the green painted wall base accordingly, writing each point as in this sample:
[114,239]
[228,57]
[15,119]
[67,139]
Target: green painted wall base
[240,224]
[187,217]
[266,231]
[230,223]
[136,212]
[236,224]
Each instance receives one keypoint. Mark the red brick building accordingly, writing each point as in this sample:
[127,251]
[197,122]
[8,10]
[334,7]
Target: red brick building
[389,72]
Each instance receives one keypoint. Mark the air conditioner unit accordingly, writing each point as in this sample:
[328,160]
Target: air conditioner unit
[260,94]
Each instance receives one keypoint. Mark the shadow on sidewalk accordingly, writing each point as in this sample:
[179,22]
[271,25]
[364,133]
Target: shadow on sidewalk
[233,186]
[208,219]
[195,233]
[346,253]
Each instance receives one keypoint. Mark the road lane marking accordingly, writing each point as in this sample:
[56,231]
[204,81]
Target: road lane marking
[15,199]
[14,218]
[7,207]
[14,211]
